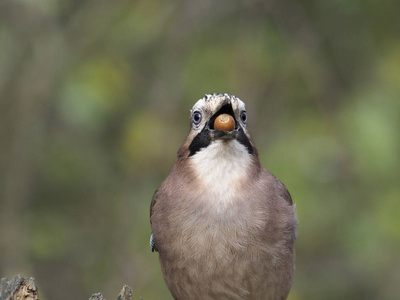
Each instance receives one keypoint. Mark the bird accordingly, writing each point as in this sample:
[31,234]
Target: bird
[224,227]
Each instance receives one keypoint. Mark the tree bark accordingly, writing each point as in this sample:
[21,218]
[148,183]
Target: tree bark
[23,288]
[18,288]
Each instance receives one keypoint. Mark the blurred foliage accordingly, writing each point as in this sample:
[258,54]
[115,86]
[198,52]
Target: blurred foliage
[94,103]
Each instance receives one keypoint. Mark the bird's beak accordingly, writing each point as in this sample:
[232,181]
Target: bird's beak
[223,131]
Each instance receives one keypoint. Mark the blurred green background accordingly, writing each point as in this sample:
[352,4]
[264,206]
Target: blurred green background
[94,103]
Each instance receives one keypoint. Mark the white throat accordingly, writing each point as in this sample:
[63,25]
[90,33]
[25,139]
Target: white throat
[221,167]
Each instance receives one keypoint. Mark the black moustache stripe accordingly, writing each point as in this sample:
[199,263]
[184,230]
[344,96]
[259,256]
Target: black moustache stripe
[203,139]
[200,141]
[244,140]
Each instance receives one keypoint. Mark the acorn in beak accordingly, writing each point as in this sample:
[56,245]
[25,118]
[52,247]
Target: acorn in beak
[224,122]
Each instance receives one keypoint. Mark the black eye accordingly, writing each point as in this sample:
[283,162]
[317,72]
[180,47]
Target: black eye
[196,117]
[243,117]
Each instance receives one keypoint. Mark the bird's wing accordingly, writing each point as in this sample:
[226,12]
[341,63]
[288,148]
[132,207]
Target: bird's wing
[153,202]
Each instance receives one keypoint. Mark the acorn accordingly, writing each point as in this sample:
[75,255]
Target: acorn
[224,122]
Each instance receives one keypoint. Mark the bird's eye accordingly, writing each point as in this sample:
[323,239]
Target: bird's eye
[243,117]
[196,117]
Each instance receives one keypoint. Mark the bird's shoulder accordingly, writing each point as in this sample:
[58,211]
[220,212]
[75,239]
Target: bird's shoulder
[283,191]
[153,202]
[275,185]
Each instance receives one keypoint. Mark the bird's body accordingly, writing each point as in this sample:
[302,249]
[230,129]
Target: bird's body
[224,226]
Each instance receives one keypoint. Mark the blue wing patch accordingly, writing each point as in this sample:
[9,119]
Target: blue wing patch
[152,246]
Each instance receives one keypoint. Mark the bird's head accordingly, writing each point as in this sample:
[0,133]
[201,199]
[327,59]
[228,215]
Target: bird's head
[217,117]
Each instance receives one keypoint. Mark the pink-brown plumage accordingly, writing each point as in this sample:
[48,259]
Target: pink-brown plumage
[224,238]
